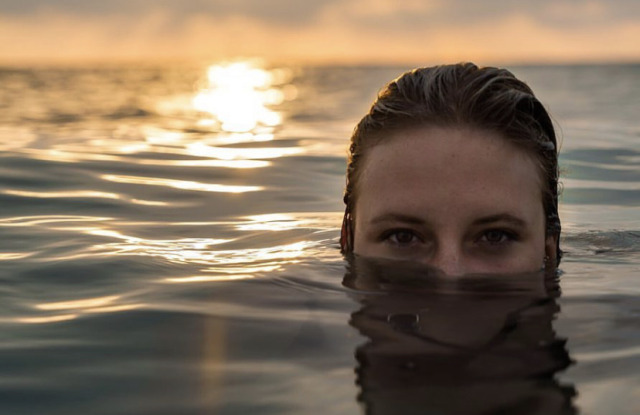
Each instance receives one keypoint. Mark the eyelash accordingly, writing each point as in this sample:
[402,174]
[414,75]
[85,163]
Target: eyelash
[506,237]
[386,236]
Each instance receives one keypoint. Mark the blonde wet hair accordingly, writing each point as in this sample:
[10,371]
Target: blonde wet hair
[452,96]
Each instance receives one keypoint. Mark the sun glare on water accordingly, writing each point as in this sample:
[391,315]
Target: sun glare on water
[239,96]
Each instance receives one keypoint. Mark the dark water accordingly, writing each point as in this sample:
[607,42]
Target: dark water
[169,246]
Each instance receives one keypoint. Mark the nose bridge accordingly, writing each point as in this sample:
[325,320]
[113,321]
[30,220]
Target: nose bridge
[449,257]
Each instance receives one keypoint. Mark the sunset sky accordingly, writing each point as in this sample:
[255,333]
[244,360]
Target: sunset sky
[327,31]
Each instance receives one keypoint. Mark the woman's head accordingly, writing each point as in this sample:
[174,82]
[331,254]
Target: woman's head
[441,147]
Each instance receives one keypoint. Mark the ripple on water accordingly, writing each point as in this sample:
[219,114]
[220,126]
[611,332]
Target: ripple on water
[179,254]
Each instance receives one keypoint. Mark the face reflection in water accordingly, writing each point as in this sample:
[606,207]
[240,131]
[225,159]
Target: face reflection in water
[471,345]
[462,200]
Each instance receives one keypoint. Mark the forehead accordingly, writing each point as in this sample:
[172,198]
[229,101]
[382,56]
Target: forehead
[444,168]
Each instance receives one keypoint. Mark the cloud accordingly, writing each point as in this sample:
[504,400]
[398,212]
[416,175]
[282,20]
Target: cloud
[411,14]
[294,11]
[281,11]
[414,31]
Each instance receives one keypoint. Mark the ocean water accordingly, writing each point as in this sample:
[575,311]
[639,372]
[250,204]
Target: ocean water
[169,246]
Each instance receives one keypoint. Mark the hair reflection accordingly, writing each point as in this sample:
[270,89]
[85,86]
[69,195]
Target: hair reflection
[475,345]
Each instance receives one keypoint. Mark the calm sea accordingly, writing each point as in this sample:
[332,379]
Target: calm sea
[169,246]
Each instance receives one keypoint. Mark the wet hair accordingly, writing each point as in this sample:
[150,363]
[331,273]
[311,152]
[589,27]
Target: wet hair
[460,95]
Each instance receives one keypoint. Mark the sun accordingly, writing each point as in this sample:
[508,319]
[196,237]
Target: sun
[240,96]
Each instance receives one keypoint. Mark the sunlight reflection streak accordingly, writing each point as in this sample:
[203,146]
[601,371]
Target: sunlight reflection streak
[89,194]
[85,155]
[135,243]
[187,252]
[180,184]
[241,138]
[46,319]
[226,153]
[271,222]
[231,164]
[10,256]
[208,278]
[84,303]
[28,221]
[71,193]
[267,267]
[79,307]
[114,308]
[68,157]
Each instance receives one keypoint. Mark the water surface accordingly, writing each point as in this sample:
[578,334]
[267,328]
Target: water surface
[169,245]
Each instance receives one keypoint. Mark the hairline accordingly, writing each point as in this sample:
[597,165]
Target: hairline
[392,132]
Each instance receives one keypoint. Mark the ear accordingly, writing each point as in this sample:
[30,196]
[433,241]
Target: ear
[551,251]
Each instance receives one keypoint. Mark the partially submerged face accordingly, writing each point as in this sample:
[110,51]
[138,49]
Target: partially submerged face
[462,200]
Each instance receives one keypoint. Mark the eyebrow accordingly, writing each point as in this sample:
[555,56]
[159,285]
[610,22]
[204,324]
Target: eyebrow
[501,217]
[397,217]
[414,220]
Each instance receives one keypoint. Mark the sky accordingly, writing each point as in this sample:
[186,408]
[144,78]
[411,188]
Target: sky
[321,31]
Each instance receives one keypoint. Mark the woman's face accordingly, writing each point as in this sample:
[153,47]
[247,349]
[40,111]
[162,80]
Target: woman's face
[462,200]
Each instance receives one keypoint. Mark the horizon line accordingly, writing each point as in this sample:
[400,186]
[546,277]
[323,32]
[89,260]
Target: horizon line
[154,61]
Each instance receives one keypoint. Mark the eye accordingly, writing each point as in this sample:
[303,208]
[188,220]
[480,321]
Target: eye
[497,237]
[401,237]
